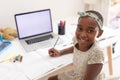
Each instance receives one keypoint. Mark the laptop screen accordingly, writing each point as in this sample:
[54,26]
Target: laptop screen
[33,23]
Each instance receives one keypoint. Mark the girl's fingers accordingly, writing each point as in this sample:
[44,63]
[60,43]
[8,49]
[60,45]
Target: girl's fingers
[50,54]
[53,52]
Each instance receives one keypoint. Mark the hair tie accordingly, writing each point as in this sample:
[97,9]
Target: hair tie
[93,16]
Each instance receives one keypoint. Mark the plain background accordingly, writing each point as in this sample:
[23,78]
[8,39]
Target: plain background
[60,8]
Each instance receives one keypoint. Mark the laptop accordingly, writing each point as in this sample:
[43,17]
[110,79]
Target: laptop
[35,30]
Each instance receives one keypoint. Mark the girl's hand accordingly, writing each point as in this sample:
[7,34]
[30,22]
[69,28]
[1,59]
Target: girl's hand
[54,53]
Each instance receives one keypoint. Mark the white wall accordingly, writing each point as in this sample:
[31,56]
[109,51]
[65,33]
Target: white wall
[59,8]
[101,6]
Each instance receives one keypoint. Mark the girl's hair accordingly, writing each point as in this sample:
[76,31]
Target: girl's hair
[94,14]
[97,14]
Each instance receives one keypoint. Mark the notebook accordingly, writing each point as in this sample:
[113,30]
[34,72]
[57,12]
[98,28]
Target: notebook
[35,29]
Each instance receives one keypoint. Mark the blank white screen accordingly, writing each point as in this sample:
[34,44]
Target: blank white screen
[34,23]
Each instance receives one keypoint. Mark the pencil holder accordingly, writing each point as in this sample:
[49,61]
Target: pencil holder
[61,30]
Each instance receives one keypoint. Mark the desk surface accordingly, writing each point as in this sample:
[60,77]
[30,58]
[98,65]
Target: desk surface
[38,63]
[34,64]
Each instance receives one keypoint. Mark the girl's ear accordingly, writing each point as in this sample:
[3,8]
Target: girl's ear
[100,33]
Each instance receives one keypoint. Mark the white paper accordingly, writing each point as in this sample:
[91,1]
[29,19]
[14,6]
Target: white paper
[33,65]
[55,61]
[9,71]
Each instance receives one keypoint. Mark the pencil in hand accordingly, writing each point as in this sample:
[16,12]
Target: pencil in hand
[56,42]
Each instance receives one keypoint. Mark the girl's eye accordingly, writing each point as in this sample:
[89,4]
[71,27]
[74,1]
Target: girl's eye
[90,31]
[79,29]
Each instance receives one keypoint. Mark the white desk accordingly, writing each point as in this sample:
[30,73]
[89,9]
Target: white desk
[38,64]
[34,65]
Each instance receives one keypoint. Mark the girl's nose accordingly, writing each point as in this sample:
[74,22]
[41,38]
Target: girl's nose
[83,35]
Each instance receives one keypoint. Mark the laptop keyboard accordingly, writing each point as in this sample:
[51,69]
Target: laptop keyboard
[43,44]
[39,39]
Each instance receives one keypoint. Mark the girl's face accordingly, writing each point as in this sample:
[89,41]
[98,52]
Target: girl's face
[86,32]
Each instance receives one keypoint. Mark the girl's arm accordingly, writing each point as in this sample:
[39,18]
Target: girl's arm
[67,50]
[53,52]
[92,71]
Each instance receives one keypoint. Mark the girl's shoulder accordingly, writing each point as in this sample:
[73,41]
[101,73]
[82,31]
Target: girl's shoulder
[96,48]
[96,55]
